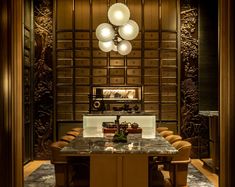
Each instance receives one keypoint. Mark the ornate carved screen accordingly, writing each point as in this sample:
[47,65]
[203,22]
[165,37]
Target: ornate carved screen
[80,65]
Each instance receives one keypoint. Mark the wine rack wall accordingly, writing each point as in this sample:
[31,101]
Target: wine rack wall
[80,65]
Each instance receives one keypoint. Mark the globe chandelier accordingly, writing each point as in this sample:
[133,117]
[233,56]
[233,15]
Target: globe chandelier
[115,36]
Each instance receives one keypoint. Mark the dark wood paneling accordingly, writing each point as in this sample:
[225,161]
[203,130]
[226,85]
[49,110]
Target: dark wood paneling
[28,81]
[151,13]
[169,13]
[208,58]
[64,19]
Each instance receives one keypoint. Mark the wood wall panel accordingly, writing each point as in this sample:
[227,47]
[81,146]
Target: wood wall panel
[99,72]
[152,61]
[28,82]
[82,13]
[208,58]
[135,9]
[133,72]
[100,81]
[100,62]
[117,72]
[82,63]
[64,35]
[227,91]
[64,19]
[134,62]
[151,12]
[99,12]
[117,62]
[134,80]
[169,13]
[82,35]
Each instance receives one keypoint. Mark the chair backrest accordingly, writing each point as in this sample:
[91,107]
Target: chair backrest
[173,138]
[55,152]
[160,129]
[77,129]
[58,145]
[184,149]
[166,133]
[73,133]
[67,138]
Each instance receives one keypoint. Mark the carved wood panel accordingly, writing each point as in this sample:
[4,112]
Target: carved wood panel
[43,76]
[194,127]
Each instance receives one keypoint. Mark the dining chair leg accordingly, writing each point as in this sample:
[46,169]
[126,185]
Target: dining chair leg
[67,175]
[174,175]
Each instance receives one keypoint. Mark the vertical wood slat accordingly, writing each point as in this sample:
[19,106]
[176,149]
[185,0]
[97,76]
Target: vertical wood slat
[11,119]
[159,57]
[16,91]
[73,60]
[55,127]
[227,91]
[178,65]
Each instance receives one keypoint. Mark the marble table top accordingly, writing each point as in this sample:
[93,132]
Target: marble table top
[85,146]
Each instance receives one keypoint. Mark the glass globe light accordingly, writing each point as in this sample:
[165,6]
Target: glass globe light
[106,46]
[118,14]
[129,31]
[124,47]
[105,32]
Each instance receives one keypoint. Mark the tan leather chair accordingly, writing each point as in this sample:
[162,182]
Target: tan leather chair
[77,129]
[73,133]
[160,129]
[166,133]
[173,138]
[67,138]
[179,164]
[60,163]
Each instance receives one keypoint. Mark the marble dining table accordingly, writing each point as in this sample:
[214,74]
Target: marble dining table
[118,164]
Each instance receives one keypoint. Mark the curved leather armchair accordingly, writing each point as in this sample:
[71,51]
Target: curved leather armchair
[67,138]
[166,133]
[73,133]
[60,163]
[160,129]
[77,129]
[173,138]
[179,164]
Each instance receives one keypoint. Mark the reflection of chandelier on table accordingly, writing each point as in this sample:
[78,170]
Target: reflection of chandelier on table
[116,36]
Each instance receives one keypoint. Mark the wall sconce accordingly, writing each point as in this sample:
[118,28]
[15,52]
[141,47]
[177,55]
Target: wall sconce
[116,36]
